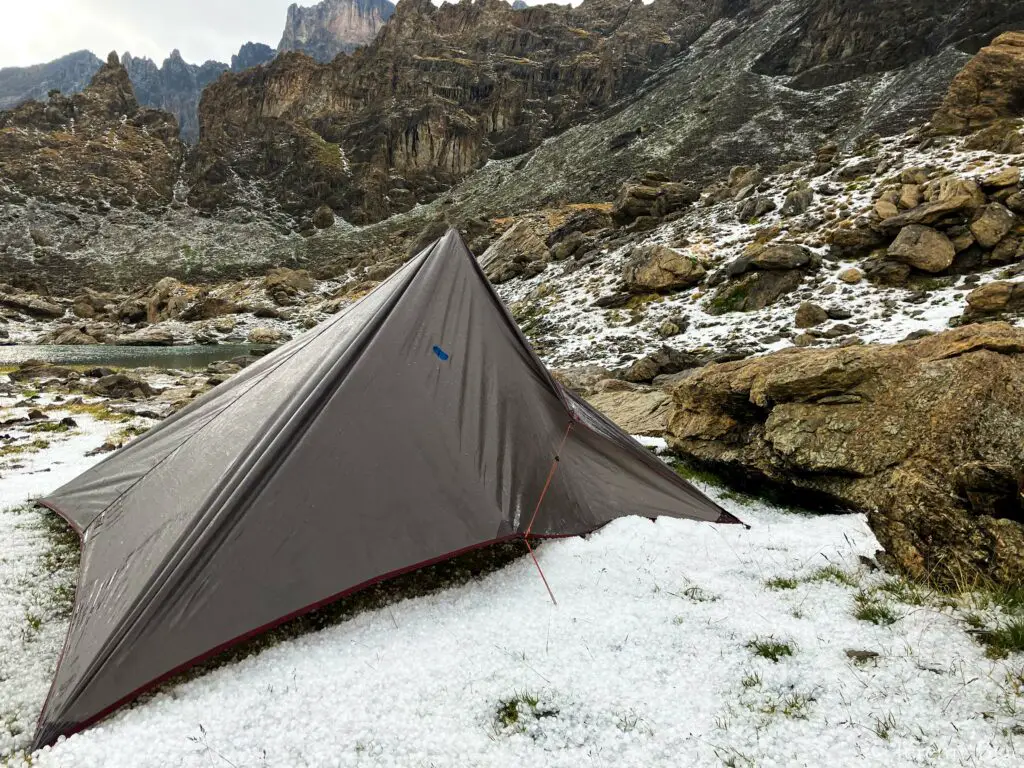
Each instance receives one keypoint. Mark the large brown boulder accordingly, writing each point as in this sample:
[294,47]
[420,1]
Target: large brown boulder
[992,225]
[988,89]
[890,430]
[520,252]
[995,298]
[659,268]
[923,248]
[635,409]
[753,291]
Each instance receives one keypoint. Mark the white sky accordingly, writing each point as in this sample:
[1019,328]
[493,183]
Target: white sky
[36,31]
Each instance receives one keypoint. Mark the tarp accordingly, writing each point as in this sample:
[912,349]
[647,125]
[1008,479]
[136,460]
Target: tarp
[415,425]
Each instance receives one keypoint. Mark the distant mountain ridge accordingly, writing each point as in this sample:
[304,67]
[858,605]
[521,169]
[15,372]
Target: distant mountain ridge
[321,31]
[68,74]
[334,26]
[176,85]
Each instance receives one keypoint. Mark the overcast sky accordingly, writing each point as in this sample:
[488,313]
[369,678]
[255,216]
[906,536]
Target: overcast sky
[36,31]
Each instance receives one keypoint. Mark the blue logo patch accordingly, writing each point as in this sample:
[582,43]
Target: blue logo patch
[441,354]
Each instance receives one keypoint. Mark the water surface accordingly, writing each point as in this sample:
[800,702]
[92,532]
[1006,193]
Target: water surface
[193,356]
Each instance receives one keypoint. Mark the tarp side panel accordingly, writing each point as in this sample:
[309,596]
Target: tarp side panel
[83,499]
[132,546]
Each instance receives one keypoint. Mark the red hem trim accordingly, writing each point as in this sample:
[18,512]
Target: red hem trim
[258,630]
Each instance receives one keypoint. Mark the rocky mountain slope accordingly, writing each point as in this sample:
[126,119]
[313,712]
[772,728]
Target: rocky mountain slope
[333,26]
[580,96]
[477,111]
[68,74]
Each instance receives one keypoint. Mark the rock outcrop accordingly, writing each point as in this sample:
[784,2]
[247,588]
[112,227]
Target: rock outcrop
[989,89]
[97,149]
[926,437]
[333,26]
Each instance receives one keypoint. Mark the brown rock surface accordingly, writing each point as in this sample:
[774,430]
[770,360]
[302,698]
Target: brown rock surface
[923,248]
[884,429]
[659,268]
[989,88]
[637,410]
[96,148]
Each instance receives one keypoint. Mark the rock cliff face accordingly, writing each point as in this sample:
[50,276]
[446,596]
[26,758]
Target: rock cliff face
[689,87]
[834,41]
[334,26]
[989,89]
[251,55]
[438,93]
[174,87]
[68,74]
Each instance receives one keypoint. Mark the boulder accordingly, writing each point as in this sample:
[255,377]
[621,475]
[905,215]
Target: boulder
[37,369]
[988,89]
[809,315]
[323,217]
[32,305]
[659,268]
[783,256]
[519,252]
[887,272]
[263,335]
[753,291]
[665,361]
[995,298]
[948,196]
[283,284]
[923,248]
[992,224]
[636,410]
[650,197]
[798,199]
[853,243]
[168,299]
[884,429]
[120,385]
[151,336]
[1005,177]
[72,337]
[207,307]
[851,276]
[754,208]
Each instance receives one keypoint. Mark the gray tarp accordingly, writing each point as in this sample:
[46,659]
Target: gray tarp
[415,425]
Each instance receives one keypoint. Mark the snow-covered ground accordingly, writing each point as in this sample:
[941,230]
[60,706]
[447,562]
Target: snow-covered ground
[655,655]
[575,332]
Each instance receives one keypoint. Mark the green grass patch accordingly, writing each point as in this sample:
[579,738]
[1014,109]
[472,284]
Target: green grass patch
[782,582]
[98,411]
[867,607]
[770,648]
[904,591]
[518,709]
[834,574]
[21,449]
[49,427]
[885,726]
[1003,640]
[694,474]
[751,680]
[699,595]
